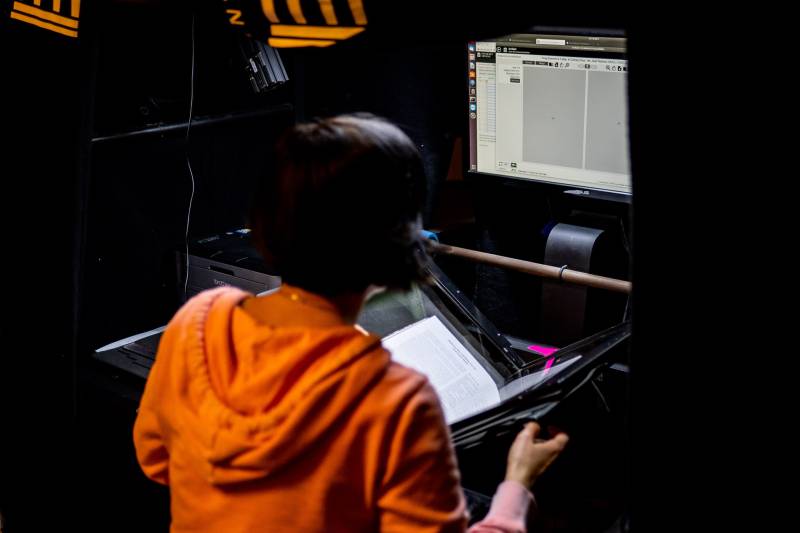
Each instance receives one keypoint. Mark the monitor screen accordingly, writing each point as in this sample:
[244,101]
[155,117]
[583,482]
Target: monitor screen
[551,109]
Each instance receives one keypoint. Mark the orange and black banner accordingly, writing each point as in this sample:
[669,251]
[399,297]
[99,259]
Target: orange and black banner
[298,23]
[53,15]
[322,23]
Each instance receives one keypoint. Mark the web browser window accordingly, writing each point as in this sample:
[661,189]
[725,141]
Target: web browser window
[552,109]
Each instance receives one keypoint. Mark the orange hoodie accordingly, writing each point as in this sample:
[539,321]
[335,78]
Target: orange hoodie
[272,414]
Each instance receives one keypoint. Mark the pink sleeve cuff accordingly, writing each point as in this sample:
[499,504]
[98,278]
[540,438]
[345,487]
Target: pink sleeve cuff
[509,510]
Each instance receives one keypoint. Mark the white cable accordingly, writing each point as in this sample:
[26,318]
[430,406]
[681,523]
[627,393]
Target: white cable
[189,164]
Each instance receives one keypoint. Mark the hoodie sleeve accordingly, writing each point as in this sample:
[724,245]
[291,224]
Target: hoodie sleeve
[150,450]
[168,384]
[148,433]
[421,489]
[508,512]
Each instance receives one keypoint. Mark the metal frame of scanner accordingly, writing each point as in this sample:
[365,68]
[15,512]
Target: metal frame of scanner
[473,329]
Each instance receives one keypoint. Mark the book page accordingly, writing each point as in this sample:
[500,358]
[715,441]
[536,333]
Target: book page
[463,385]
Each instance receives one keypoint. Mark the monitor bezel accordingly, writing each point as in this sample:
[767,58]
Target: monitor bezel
[545,186]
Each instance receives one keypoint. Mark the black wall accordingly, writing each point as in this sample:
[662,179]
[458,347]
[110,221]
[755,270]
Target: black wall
[413,73]
[139,185]
[42,93]
[408,67]
[93,215]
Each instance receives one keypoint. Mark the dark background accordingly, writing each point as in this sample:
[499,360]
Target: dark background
[91,220]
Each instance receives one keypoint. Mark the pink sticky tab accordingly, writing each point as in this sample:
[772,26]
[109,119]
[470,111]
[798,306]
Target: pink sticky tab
[545,352]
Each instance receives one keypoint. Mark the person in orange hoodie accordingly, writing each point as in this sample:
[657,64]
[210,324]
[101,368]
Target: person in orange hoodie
[275,413]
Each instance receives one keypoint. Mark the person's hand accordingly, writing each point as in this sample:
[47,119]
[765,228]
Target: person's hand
[528,457]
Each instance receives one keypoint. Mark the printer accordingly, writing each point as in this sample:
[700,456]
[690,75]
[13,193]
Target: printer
[224,259]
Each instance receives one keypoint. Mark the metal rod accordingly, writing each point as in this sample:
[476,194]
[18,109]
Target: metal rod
[535,269]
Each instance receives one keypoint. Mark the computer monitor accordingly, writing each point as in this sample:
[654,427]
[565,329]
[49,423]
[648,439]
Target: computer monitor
[551,109]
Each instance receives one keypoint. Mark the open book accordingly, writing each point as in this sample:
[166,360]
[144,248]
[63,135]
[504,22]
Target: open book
[464,386]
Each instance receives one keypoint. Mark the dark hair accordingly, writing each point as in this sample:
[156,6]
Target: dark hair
[342,211]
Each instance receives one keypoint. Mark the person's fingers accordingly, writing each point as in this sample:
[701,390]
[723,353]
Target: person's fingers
[519,441]
[523,435]
[554,445]
[534,429]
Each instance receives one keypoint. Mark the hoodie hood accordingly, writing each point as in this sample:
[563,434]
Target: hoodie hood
[249,397]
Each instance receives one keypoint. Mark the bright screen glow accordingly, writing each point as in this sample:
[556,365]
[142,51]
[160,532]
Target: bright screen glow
[551,109]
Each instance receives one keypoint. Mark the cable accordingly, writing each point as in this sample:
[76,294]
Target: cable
[602,398]
[627,314]
[189,164]
[627,245]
